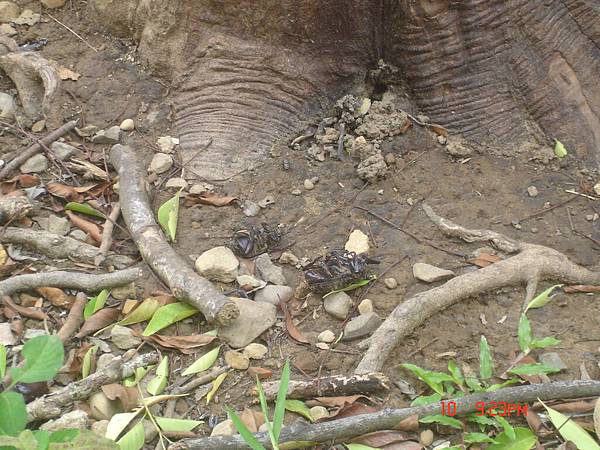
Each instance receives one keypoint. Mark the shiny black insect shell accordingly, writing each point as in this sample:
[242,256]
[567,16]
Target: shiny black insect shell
[254,241]
[336,270]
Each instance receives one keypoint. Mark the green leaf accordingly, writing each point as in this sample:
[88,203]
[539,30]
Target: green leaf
[423,400]
[485,360]
[86,364]
[176,425]
[244,431]
[43,359]
[167,315]
[157,384]
[81,440]
[84,208]
[143,312]
[168,214]
[280,401]
[2,361]
[359,447]
[545,342]
[525,334]
[455,372]
[265,410]
[542,299]
[508,428]
[95,304]
[444,420]
[477,438]
[133,439]
[118,422]
[523,439]
[353,286]
[64,435]
[137,376]
[559,149]
[495,387]
[215,386]
[14,413]
[483,420]
[299,407]
[24,441]
[473,384]
[204,362]
[570,430]
[433,379]
[533,369]
[43,439]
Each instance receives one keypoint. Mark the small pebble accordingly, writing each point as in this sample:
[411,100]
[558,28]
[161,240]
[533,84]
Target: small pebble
[589,217]
[296,192]
[442,139]
[268,200]
[532,191]
[308,185]
[255,351]
[176,183]
[390,283]
[426,438]
[318,412]
[199,188]
[365,307]
[161,162]
[322,346]
[237,360]
[390,158]
[326,336]
[127,125]
[250,209]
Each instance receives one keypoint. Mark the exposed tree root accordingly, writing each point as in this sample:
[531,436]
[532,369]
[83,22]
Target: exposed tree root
[329,386]
[60,247]
[51,405]
[529,264]
[75,280]
[176,273]
[387,419]
[107,234]
[74,319]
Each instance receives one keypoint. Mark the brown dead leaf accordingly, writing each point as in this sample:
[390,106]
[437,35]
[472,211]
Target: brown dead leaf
[381,438]
[406,445]
[349,410]
[597,417]
[438,129]
[330,402]
[68,74]
[86,225]
[586,288]
[129,397]
[535,423]
[291,328]
[98,321]
[411,423]
[32,313]
[56,296]
[129,305]
[577,407]
[533,379]
[64,191]
[208,198]
[185,344]
[20,181]
[484,260]
[252,419]
[259,372]
[88,167]
[406,126]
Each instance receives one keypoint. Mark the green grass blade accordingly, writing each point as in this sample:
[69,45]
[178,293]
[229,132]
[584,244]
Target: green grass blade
[280,402]
[244,431]
[265,410]
[486,367]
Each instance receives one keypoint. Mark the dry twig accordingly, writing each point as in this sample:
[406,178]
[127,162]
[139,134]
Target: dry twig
[74,319]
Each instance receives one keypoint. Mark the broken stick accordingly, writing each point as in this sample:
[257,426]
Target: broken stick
[531,263]
[173,270]
[107,233]
[387,419]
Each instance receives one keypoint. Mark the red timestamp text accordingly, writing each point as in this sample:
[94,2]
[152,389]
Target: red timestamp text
[503,409]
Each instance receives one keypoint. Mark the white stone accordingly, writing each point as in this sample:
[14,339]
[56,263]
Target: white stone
[167,143]
[53,3]
[358,242]
[326,336]
[199,188]
[249,280]
[237,360]
[127,125]
[6,335]
[532,191]
[7,106]
[365,307]
[274,294]
[161,162]
[322,345]
[36,164]
[390,283]
[429,273]
[225,428]
[308,185]
[318,412]
[7,30]
[338,305]
[364,107]
[255,351]
[288,258]
[254,319]
[176,183]
[597,188]
[218,264]
[111,135]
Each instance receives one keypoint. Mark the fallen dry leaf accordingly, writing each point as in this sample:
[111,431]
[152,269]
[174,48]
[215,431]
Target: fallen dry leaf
[75,359]
[259,372]
[32,313]
[586,288]
[484,260]
[129,397]
[56,296]
[577,407]
[89,167]
[406,445]
[381,438]
[411,423]
[185,344]
[349,410]
[86,225]
[64,191]
[252,419]
[597,417]
[291,328]
[438,129]
[98,321]
[68,74]
[535,423]
[208,198]
[19,182]
[334,401]
[406,126]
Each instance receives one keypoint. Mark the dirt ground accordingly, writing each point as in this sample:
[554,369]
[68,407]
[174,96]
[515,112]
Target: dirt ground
[489,190]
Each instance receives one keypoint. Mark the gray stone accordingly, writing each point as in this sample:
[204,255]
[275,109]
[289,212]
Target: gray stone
[225,428]
[361,326]
[8,11]
[161,162]
[27,17]
[274,294]
[250,209]
[199,188]
[124,338]
[150,431]
[318,412]
[7,106]
[426,438]
[326,336]
[268,200]
[269,271]
[77,419]
[167,143]
[553,359]
[104,360]
[58,225]
[237,360]
[254,319]
[338,305]
[532,191]
[99,427]
[249,280]
[322,346]
[296,192]
[365,307]
[390,283]
[36,164]
[111,135]
[255,351]
[430,274]
[78,234]
[218,264]
[288,258]
[458,149]
[63,151]
[6,335]
[127,125]
[124,292]
[176,183]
